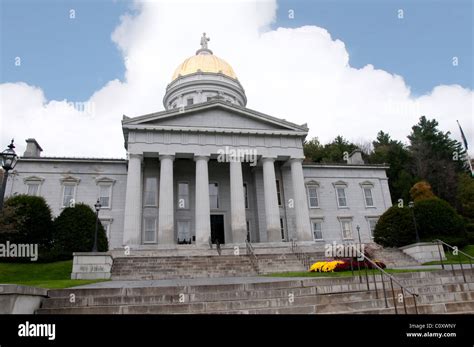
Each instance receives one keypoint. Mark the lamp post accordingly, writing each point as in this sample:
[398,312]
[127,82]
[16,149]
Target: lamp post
[411,205]
[8,161]
[97,206]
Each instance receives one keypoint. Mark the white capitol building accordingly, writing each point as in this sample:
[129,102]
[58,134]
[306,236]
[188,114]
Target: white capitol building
[207,168]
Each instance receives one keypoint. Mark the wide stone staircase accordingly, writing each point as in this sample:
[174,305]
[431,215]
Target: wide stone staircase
[225,265]
[439,292]
[392,257]
[155,268]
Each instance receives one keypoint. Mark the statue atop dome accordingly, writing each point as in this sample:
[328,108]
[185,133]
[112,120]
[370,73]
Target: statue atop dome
[204,49]
[204,41]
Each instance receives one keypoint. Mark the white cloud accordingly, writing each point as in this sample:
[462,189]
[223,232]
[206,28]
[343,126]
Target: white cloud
[299,74]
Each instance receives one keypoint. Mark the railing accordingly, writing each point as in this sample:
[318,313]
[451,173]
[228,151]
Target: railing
[392,279]
[252,256]
[218,245]
[302,256]
[441,244]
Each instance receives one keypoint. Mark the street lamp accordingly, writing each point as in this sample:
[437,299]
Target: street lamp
[97,206]
[8,160]
[411,205]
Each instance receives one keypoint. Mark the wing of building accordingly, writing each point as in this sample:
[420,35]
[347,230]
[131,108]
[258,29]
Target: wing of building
[210,169]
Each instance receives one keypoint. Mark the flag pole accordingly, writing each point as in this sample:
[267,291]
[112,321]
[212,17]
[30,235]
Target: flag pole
[466,147]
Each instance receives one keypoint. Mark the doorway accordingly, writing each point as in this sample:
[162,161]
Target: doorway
[217,228]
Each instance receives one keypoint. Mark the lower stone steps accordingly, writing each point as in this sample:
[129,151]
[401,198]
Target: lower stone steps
[439,292]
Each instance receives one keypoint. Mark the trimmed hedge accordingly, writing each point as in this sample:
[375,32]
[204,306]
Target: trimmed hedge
[74,231]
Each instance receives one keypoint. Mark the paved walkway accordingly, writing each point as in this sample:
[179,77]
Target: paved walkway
[429,267]
[188,282]
[227,280]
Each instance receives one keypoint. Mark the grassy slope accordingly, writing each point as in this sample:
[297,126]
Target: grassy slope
[337,274]
[45,275]
[454,259]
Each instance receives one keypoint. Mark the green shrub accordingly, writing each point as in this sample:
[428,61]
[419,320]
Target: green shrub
[74,231]
[435,219]
[27,220]
[395,227]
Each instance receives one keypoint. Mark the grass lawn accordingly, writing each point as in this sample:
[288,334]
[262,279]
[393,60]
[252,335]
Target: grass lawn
[339,274]
[45,275]
[454,259]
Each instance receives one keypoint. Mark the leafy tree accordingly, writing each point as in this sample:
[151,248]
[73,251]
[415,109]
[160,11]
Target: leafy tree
[465,196]
[333,152]
[27,220]
[74,231]
[421,191]
[313,150]
[436,158]
[396,156]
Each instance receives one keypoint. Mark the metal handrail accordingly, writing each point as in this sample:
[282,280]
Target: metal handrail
[444,243]
[392,279]
[300,255]
[251,253]
[440,243]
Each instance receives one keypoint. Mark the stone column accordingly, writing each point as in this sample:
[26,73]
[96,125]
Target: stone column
[203,214]
[166,207]
[237,202]
[303,227]
[272,212]
[133,202]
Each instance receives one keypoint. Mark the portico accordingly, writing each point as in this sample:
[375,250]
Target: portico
[209,169]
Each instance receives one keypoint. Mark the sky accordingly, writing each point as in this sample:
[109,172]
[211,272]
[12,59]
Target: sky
[70,69]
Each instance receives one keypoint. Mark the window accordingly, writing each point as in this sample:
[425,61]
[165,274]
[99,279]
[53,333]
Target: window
[246,196]
[150,191]
[189,101]
[346,226]
[184,230]
[282,229]
[369,201]
[317,229]
[214,195]
[183,195]
[312,192]
[341,197]
[278,192]
[150,229]
[105,194]
[32,189]
[33,185]
[372,223]
[69,192]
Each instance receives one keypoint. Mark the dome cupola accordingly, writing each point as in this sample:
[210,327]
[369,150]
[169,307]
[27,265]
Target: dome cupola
[201,78]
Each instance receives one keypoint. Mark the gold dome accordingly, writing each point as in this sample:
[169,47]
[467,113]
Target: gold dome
[204,63]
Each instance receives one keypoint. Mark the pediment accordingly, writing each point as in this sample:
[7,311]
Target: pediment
[216,116]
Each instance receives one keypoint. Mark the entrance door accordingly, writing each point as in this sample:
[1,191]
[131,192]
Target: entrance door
[217,228]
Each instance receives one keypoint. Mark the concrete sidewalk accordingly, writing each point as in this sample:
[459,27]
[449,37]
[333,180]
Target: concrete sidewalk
[188,282]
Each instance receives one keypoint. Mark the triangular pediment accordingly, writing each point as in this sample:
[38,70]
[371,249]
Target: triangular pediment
[215,115]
